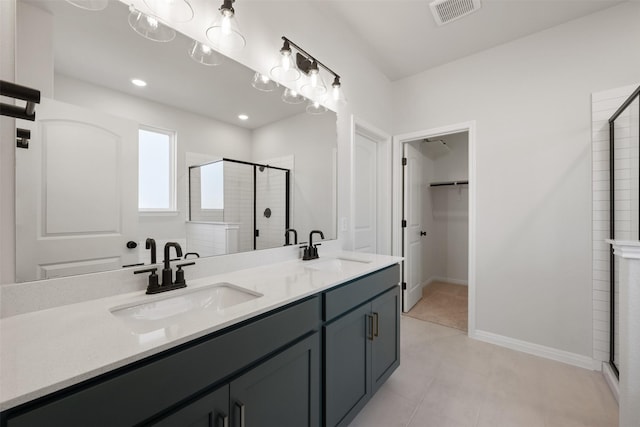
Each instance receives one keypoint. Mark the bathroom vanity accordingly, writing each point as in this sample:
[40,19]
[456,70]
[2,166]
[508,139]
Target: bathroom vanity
[293,343]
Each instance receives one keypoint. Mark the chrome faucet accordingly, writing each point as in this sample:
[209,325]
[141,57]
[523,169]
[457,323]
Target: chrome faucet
[167,274]
[311,251]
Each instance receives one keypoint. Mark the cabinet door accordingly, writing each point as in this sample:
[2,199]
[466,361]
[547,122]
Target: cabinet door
[347,365]
[284,391]
[212,410]
[385,347]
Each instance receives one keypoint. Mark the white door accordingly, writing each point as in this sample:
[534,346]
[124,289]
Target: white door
[366,203]
[412,250]
[76,193]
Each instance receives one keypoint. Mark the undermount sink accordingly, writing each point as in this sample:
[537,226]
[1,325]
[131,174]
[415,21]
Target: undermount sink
[170,308]
[335,264]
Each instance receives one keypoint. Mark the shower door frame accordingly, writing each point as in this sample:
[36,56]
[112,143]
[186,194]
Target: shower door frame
[635,95]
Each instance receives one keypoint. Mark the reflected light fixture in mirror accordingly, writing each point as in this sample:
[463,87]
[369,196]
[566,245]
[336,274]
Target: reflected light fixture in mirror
[290,96]
[177,11]
[225,33]
[314,107]
[203,54]
[149,26]
[285,69]
[89,4]
[263,83]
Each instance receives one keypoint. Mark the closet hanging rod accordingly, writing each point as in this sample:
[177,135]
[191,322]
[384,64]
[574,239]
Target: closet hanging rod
[454,183]
[12,90]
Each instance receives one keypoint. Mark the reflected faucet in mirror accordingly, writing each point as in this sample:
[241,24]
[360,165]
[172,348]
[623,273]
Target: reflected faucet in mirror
[151,244]
[286,236]
[168,284]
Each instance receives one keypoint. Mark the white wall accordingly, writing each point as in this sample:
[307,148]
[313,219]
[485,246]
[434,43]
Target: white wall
[531,101]
[310,139]
[195,134]
[7,146]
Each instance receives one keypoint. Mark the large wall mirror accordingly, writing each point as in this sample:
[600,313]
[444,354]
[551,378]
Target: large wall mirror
[111,164]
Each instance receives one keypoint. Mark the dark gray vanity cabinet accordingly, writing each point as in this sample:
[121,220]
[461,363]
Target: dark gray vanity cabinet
[281,391]
[262,358]
[361,343]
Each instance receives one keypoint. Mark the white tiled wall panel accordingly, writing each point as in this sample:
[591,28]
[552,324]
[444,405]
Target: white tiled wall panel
[604,105]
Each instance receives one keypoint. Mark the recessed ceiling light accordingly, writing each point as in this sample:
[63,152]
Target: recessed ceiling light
[243,117]
[138,82]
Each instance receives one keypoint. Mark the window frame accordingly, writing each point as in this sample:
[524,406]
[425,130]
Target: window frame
[173,144]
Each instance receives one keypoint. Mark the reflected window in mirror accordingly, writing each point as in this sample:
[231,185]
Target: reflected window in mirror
[156,170]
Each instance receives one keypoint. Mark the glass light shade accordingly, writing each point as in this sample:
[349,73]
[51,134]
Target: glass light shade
[263,83]
[314,107]
[290,96]
[225,34]
[171,10]
[337,97]
[150,27]
[285,69]
[89,4]
[315,88]
[203,54]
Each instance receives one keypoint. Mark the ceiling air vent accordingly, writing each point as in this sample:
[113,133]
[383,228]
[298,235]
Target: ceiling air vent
[445,11]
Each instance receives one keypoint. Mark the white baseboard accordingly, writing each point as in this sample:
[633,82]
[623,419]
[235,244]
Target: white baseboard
[611,379]
[447,280]
[538,350]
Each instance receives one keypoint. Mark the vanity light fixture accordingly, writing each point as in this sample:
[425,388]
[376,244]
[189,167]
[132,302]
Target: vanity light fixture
[263,83]
[243,117]
[150,27]
[203,54]
[314,88]
[177,11]
[93,5]
[225,33]
[285,69]
[139,82]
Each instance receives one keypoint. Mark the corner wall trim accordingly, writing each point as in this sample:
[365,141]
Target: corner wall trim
[611,380]
[551,353]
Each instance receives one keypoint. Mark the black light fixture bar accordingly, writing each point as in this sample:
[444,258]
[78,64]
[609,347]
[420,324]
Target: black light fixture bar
[310,57]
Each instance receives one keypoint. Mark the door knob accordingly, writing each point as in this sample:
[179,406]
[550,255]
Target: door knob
[131,244]
[423,233]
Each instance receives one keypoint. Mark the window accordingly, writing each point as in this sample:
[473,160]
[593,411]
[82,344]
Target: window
[156,170]
[212,186]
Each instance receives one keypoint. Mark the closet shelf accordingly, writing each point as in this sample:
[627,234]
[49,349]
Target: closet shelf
[448,183]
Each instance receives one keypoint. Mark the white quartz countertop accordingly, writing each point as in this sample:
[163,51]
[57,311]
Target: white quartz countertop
[48,350]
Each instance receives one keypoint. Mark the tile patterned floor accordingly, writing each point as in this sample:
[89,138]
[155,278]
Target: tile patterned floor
[446,379]
[443,303]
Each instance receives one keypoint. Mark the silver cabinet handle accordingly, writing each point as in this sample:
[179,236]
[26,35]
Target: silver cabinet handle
[240,406]
[223,420]
[376,331]
[370,331]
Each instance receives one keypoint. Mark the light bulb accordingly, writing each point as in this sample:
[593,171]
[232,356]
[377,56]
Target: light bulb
[336,93]
[226,22]
[313,76]
[286,60]
[153,22]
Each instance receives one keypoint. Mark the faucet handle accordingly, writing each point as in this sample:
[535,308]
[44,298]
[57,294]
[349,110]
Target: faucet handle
[153,284]
[180,273]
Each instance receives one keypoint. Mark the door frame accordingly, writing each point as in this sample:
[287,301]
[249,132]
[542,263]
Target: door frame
[398,144]
[383,142]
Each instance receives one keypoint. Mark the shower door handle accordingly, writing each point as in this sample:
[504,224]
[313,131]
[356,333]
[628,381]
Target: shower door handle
[423,233]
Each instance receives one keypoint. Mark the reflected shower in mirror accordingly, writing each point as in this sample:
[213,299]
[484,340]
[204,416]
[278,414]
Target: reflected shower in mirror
[77,198]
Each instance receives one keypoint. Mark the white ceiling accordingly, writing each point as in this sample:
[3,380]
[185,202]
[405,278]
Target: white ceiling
[401,38]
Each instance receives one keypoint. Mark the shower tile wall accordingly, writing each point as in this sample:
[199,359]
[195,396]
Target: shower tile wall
[604,105]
